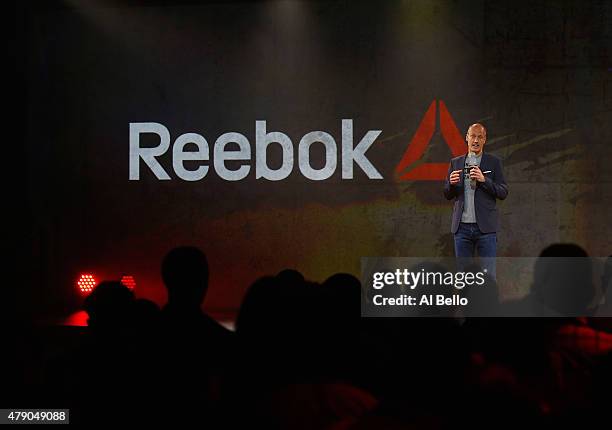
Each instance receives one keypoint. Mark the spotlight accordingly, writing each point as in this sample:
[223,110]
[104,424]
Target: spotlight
[86,283]
[128,281]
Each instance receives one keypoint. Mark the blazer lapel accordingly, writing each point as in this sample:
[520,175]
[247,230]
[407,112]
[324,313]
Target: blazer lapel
[485,164]
[462,161]
[461,165]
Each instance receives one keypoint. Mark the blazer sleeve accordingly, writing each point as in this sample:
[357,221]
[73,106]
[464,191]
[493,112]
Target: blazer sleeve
[497,188]
[450,191]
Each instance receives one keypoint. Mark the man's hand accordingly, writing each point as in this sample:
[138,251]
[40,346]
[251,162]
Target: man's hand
[476,173]
[455,177]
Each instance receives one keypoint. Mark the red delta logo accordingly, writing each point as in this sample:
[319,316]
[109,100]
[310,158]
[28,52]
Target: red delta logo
[419,142]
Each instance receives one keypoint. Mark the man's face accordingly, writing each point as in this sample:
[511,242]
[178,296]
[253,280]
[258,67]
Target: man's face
[476,138]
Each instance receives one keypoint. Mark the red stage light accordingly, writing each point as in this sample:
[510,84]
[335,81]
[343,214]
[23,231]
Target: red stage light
[128,281]
[86,283]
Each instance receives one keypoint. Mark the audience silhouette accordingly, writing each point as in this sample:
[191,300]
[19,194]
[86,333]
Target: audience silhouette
[302,357]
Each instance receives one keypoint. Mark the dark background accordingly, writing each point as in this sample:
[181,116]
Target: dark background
[538,74]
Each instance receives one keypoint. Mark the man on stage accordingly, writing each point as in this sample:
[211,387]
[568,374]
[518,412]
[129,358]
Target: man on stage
[476,180]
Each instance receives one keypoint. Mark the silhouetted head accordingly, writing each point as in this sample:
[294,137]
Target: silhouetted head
[109,305]
[290,276]
[185,274]
[563,279]
[564,250]
[342,291]
[343,281]
[269,300]
[261,306]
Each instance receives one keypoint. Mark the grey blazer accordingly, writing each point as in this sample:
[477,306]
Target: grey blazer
[494,187]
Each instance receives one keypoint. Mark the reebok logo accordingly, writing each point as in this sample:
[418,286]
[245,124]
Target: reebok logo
[408,169]
[350,155]
[420,140]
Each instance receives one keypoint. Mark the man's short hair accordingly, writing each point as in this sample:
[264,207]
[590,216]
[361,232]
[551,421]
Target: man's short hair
[481,125]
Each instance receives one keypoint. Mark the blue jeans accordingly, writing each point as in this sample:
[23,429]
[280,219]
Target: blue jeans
[469,240]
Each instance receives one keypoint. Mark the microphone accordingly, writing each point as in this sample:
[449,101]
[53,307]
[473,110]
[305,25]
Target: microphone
[470,161]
